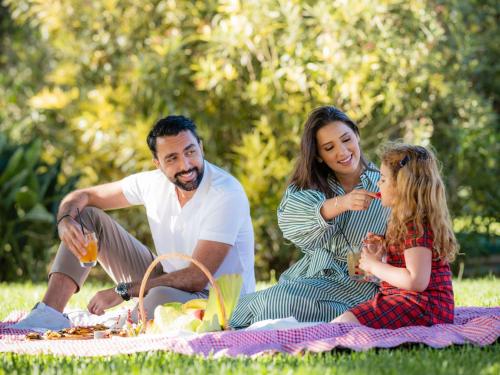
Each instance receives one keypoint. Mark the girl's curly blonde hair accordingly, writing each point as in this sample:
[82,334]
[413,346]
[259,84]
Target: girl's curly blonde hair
[421,197]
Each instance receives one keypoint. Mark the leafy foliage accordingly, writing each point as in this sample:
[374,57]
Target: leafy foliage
[30,195]
[92,76]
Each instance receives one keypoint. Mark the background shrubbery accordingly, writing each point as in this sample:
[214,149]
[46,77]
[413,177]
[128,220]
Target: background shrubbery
[30,195]
[87,79]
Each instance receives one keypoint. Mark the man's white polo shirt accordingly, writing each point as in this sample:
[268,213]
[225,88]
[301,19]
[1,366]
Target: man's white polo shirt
[218,211]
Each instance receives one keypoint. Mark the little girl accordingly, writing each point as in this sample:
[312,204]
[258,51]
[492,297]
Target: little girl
[415,286]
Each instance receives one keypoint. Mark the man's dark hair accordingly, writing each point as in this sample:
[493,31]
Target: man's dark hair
[170,126]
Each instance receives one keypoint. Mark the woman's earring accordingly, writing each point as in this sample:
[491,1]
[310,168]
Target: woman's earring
[320,160]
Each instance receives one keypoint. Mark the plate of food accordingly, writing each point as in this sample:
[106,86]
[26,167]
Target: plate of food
[77,333]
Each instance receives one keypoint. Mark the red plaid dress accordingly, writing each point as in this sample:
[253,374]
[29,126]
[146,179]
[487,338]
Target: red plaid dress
[394,307]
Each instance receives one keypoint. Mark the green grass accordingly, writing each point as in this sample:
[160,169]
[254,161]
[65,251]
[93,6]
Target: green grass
[415,359]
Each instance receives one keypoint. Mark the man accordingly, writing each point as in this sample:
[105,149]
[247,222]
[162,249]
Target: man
[193,207]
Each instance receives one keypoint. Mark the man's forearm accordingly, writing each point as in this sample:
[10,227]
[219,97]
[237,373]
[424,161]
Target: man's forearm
[189,279]
[75,200]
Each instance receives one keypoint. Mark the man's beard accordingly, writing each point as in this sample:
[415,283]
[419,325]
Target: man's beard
[191,185]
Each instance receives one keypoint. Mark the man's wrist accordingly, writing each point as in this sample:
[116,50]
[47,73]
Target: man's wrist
[133,289]
[123,290]
[62,218]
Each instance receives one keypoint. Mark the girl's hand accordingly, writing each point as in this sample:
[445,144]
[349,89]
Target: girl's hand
[375,244]
[368,260]
[357,200]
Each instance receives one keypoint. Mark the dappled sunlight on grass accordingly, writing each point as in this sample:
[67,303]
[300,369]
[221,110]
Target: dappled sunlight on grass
[477,292]
[417,359]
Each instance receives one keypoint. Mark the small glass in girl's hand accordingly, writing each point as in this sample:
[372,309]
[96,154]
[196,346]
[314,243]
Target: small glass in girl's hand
[356,273]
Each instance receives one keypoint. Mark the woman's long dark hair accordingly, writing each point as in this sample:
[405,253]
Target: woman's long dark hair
[309,173]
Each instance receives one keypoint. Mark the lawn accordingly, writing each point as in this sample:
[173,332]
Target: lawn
[408,360]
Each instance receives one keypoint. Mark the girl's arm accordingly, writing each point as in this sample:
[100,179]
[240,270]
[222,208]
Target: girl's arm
[415,277]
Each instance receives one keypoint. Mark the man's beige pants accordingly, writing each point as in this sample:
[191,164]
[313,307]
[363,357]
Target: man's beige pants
[124,259]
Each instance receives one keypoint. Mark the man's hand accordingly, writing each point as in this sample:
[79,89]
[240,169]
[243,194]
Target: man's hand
[105,197]
[103,300]
[70,232]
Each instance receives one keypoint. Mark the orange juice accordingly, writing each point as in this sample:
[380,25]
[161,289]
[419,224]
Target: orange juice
[352,266]
[355,273]
[89,259]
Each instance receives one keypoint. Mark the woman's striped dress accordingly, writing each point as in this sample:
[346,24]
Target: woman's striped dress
[316,288]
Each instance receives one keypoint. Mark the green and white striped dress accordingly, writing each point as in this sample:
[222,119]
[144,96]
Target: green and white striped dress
[317,288]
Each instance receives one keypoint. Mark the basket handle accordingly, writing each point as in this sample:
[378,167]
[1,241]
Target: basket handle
[220,300]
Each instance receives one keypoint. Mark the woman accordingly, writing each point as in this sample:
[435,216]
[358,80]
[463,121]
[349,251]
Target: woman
[327,210]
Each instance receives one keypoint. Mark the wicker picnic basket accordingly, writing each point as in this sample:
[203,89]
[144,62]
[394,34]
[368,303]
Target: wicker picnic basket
[211,279]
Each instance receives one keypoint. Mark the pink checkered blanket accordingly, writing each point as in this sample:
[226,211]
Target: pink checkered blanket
[473,325]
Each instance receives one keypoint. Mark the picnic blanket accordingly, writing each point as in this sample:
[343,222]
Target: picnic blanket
[473,325]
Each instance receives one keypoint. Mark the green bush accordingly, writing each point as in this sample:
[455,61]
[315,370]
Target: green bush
[30,194]
[93,75]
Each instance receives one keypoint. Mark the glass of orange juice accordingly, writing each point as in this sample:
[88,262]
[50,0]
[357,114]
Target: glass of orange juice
[355,273]
[89,259]
[353,256]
